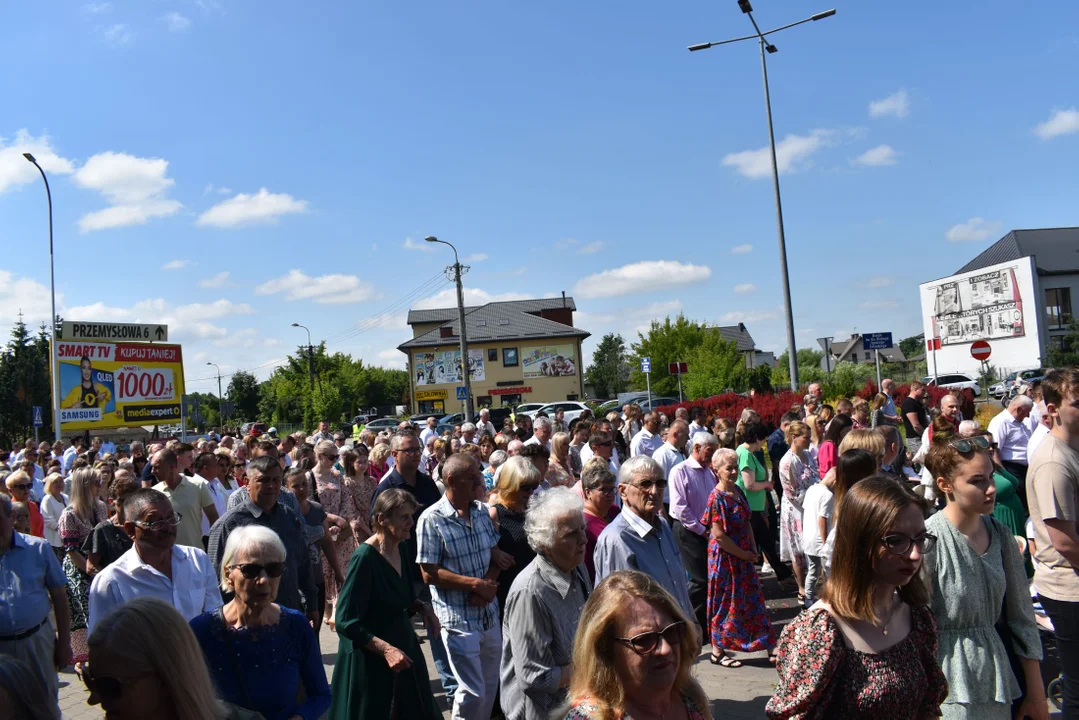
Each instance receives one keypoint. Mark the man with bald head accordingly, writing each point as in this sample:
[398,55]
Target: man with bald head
[190,498]
[460,560]
[671,453]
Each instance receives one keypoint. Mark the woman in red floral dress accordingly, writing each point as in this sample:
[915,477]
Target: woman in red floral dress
[868,647]
[738,617]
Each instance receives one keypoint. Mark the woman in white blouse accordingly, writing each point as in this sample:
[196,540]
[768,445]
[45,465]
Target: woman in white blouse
[52,507]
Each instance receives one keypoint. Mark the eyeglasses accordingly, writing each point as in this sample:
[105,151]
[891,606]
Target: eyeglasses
[965,445]
[900,544]
[651,484]
[609,443]
[106,687]
[253,570]
[646,643]
[21,486]
[409,451]
[161,524]
[605,490]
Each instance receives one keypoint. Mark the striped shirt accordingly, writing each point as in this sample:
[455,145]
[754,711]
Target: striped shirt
[463,548]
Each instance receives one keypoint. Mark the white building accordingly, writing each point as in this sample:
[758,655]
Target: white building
[853,350]
[1016,295]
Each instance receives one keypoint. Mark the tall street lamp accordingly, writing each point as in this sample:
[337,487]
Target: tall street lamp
[310,356]
[792,349]
[54,359]
[220,397]
[461,322]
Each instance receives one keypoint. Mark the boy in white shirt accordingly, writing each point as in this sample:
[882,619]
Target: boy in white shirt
[817,510]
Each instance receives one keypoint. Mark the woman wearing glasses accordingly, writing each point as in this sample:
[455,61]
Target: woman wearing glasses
[979,581]
[868,647]
[598,486]
[262,657]
[631,657]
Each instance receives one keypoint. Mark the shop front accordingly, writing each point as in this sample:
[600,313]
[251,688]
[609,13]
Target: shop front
[431,401]
[510,396]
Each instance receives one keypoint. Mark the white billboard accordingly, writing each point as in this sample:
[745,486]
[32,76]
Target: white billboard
[996,303]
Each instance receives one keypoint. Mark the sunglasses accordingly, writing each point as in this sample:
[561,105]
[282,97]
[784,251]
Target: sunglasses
[252,571]
[650,484]
[21,486]
[106,687]
[965,445]
[646,643]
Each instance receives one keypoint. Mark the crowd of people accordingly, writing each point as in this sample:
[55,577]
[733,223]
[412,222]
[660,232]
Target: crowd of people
[559,570]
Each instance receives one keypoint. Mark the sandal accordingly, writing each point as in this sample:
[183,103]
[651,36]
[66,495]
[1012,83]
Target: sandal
[724,660]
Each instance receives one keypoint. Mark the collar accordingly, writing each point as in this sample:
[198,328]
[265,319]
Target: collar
[638,524]
[692,462]
[446,509]
[18,541]
[254,509]
[672,447]
[562,582]
[131,560]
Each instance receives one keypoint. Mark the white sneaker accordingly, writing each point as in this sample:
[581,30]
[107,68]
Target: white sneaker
[766,568]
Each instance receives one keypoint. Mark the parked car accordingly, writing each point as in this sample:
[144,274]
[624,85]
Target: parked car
[571,408]
[257,429]
[529,409]
[381,424]
[420,419]
[954,381]
[447,422]
[1000,389]
[1023,377]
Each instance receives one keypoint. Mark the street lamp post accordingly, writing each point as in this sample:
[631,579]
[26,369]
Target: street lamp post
[310,356]
[769,48]
[461,322]
[220,397]
[54,358]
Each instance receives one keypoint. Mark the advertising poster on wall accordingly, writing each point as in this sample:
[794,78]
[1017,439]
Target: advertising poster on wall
[445,367]
[548,361]
[983,306]
[106,385]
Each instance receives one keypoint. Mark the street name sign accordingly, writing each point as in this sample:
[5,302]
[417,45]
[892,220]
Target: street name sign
[127,332]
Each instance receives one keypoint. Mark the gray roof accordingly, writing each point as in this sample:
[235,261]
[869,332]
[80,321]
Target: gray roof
[842,348]
[1055,250]
[739,335]
[441,315]
[497,321]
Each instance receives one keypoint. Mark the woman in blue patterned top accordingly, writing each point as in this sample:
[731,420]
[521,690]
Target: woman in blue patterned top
[258,652]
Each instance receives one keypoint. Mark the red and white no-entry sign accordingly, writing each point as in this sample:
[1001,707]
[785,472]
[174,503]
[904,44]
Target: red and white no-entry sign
[980,350]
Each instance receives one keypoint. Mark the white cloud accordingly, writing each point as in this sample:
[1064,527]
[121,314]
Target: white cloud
[325,289]
[591,248]
[792,154]
[897,104]
[98,312]
[422,245]
[219,280]
[176,265]
[874,157]
[974,230]
[879,281]
[738,316]
[1061,122]
[473,297]
[135,187]
[177,22]
[243,209]
[15,170]
[117,34]
[474,257]
[23,294]
[745,288]
[640,277]
[741,249]
[98,8]
[210,188]
[878,305]
[392,358]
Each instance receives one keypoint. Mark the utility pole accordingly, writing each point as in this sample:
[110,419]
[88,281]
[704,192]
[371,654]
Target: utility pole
[220,397]
[310,356]
[457,270]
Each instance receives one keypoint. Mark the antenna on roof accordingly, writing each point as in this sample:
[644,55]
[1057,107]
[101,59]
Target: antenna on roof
[563,298]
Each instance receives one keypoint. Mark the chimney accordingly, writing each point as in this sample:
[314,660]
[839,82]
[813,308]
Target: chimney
[742,327]
[563,298]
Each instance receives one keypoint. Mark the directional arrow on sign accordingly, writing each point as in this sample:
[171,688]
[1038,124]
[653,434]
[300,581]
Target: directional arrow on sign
[159,332]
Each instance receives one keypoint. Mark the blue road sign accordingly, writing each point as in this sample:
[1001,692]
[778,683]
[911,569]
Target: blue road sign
[462,393]
[38,420]
[646,364]
[877,341]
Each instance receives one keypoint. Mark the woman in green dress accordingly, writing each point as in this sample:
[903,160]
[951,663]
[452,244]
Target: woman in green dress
[380,670]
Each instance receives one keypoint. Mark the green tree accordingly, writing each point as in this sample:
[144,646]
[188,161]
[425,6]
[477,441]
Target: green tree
[809,368]
[1067,355]
[695,344]
[24,382]
[609,370]
[243,391]
[913,345]
[714,366]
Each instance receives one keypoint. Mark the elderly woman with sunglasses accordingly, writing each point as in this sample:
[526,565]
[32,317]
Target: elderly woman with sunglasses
[633,655]
[980,593]
[261,654]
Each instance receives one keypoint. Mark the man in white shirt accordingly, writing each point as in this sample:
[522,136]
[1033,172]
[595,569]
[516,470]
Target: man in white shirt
[429,431]
[698,424]
[1011,430]
[206,467]
[155,566]
[108,446]
[71,453]
[322,434]
[541,433]
[670,454]
[648,440]
[468,433]
[486,427]
[1043,425]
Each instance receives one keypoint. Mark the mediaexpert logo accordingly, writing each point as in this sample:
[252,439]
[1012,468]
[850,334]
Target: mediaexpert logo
[152,413]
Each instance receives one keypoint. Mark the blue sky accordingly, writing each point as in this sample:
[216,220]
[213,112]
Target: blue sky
[230,167]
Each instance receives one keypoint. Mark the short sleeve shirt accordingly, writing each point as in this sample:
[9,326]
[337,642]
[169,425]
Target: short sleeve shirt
[1053,494]
[910,405]
[188,499]
[747,460]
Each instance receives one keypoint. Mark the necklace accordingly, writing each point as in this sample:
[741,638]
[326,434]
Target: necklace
[891,614]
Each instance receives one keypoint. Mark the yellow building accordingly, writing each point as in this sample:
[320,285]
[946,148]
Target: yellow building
[518,351]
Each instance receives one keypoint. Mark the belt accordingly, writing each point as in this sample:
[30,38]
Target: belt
[25,633]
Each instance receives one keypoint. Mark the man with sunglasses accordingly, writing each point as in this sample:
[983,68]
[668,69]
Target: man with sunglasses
[155,566]
[261,507]
[638,539]
[30,579]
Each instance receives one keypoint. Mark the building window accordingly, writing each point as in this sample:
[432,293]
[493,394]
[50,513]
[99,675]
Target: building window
[868,357]
[509,359]
[1058,307]
[492,354]
[483,401]
[511,400]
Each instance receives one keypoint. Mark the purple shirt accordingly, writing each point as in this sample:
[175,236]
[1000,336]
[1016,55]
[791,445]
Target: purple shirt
[691,483]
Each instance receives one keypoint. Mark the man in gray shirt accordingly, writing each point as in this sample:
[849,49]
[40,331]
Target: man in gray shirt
[638,539]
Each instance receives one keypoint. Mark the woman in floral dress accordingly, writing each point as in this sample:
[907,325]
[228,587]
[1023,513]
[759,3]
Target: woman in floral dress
[797,473]
[76,523]
[738,618]
[338,497]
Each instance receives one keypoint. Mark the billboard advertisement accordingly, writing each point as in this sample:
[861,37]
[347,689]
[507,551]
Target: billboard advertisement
[548,361]
[107,385]
[981,306]
[437,368]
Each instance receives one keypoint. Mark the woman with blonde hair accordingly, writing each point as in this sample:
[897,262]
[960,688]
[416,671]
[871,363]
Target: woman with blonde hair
[559,472]
[377,460]
[146,663]
[52,507]
[340,498]
[876,410]
[633,655]
[106,471]
[816,431]
[797,473]
[517,481]
[868,647]
[76,523]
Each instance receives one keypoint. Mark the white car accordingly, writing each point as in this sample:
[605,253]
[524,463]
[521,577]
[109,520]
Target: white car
[571,408]
[955,381]
[529,409]
[1000,389]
